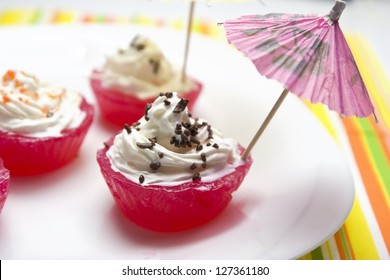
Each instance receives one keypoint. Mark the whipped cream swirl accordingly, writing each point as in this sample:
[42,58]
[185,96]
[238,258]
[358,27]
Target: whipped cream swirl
[141,70]
[168,147]
[32,108]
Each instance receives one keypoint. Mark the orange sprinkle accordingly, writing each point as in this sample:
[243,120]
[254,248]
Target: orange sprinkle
[6,99]
[53,96]
[9,75]
[22,90]
[44,111]
[18,83]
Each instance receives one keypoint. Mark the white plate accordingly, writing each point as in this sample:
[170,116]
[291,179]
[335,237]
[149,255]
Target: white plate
[297,194]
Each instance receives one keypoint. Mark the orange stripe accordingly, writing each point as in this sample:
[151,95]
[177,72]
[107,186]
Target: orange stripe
[339,244]
[160,23]
[87,18]
[371,183]
[353,256]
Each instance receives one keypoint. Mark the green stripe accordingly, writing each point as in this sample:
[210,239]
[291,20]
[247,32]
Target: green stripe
[316,254]
[345,244]
[37,17]
[99,19]
[377,153]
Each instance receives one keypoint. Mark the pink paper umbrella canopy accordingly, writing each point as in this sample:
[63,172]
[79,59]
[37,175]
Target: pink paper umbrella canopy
[308,55]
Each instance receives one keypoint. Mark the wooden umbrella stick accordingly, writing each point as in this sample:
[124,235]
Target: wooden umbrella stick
[265,124]
[187,43]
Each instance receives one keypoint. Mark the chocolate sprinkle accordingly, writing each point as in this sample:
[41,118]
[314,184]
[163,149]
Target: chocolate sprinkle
[127,128]
[180,107]
[49,114]
[153,140]
[147,108]
[208,144]
[138,129]
[135,45]
[167,102]
[187,132]
[156,65]
[193,166]
[194,140]
[216,146]
[145,145]
[210,132]
[161,94]
[155,165]
[168,94]
[196,177]
[141,178]
[178,129]
[160,154]
[204,165]
[199,147]
[202,156]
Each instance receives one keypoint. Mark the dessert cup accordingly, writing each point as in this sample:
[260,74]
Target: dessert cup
[41,125]
[171,208]
[133,77]
[4,181]
[25,155]
[121,108]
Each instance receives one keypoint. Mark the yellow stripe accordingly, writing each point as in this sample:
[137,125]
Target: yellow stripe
[325,251]
[217,31]
[359,234]
[143,20]
[333,250]
[64,16]
[176,24]
[121,20]
[328,249]
[17,16]
[196,27]
[306,257]
[373,76]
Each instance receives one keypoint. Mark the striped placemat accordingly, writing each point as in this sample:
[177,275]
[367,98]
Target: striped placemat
[366,233]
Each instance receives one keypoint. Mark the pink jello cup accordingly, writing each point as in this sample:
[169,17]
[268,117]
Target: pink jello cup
[4,181]
[120,108]
[171,208]
[24,155]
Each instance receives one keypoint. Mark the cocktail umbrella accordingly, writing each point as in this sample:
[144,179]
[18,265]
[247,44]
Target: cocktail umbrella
[308,55]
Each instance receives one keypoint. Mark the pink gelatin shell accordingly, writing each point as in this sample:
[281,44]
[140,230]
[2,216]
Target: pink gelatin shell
[120,108]
[173,208]
[24,155]
[4,181]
